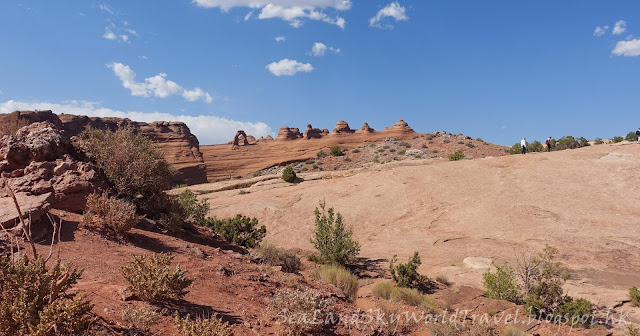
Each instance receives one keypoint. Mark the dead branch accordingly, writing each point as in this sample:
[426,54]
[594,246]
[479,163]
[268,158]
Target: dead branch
[24,227]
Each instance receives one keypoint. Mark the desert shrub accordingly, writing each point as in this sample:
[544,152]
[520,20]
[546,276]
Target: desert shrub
[514,331]
[617,139]
[424,146]
[201,326]
[598,141]
[386,146]
[535,146]
[446,140]
[457,156]
[289,175]
[460,142]
[332,238]
[406,275]
[402,152]
[355,150]
[11,126]
[633,330]
[631,136]
[408,296]
[321,154]
[140,317]
[336,151]
[240,230]
[470,144]
[310,161]
[274,256]
[381,150]
[634,294]
[346,159]
[132,165]
[542,278]
[341,278]
[443,280]
[109,214]
[314,166]
[430,137]
[404,144]
[383,290]
[480,140]
[150,278]
[515,149]
[300,311]
[502,285]
[35,300]
[194,210]
[576,313]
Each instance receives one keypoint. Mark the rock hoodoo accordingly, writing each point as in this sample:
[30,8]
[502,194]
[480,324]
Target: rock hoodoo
[342,127]
[401,126]
[316,133]
[366,129]
[288,133]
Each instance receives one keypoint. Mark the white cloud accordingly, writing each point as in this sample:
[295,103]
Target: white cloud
[124,38]
[208,129]
[248,16]
[109,35]
[143,57]
[287,67]
[629,48]
[292,11]
[157,86]
[619,28]
[281,38]
[106,8]
[393,10]
[599,31]
[320,49]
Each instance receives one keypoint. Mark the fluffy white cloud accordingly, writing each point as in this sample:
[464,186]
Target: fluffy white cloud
[292,11]
[287,67]
[280,38]
[208,129]
[630,48]
[393,10]
[156,86]
[619,28]
[599,31]
[320,49]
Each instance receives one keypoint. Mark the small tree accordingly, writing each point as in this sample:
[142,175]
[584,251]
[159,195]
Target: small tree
[289,175]
[194,209]
[406,275]
[332,238]
[617,139]
[502,285]
[336,151]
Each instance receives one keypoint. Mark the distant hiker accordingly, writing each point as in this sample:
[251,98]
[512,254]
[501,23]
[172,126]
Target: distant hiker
[549,144]
[523,144]
[638,134]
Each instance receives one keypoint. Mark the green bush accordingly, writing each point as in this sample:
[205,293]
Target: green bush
[406,275]
[201,326]
[446,141]
[132,165]
[404,144]
[240,230]
[289,175]
[457,156]
[502,285]
[36,301]
[470,144]
[576,313]
[617,139]
[194,210]
[150,277]
[543,283]
[332,238]
[274,256]
[336,151]
[402,152]
[631,136]
[300,311]
[109,215]
[598,141]
[383,290]
[321,154]
[346,159]
[634,294]
[515,149]
[535,146]
[341,278]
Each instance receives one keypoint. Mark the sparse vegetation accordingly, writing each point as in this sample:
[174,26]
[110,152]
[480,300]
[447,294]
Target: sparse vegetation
[443,280]
[240,230]
[336,151]
[341,278]
[355,150]
[633,330]
[289,175]
[406,275]
[598,141]
[321,154]
[411,297]
[470,144]
[332,238]
[35,300]
[140,317]
[460,142]
[194,210]
[404,144]
[457,156]
[300,311]
[274,256]
[576,313]
[346,159]
[502,284]
[634,294]
[402,152]
[151,279]
[617,139]
[109,215]
[201,326]
[446,140]
[543,278]
[383,290]
[631,136]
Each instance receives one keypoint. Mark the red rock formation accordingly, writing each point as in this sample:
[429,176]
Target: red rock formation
[366,129]
[342,127]
[315,133]
[288,133]
[400,126]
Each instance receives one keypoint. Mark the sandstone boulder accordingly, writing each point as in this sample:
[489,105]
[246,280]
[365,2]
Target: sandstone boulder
[288,133]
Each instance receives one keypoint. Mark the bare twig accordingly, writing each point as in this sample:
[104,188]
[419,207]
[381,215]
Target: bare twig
[53,237]
[24,229]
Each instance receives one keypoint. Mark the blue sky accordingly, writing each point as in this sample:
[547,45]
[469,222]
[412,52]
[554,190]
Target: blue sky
[499,70]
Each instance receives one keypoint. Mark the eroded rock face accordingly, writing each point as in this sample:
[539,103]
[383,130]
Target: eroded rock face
[314,133]
[288,133]
[366,129]
[401,126]
[342,127]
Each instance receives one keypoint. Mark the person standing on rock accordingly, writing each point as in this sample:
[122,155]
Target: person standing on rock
[549,144]
[523,144]
[638,134]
